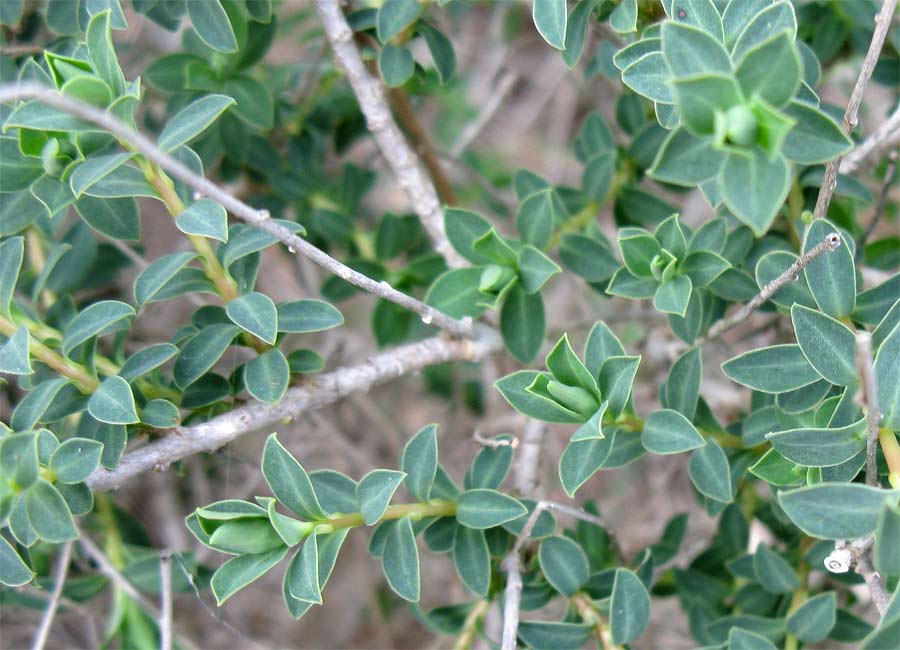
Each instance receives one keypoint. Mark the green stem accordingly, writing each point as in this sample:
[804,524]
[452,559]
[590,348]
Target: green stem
[437,508]
[586,610]
[470,626]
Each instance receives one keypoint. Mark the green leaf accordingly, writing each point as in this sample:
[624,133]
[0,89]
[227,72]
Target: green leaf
[672,297]
[267,375]
[152,283]
[582,459]
[394,16]
[828,345]
[420,461]
[255,313]
[95,169]
[737,14]
[238,572]
[513,388]
[690,51]
[48,513]
[201,353]
[550,19]
[576,30]
[441,50]
[113,402]
[686,159]
[288,481]
[553,635]
[328,547]
[396,64]
[535,269]
[564,564]
[95,320]
[212,25]
[887,375]
[481,508]
[523,323]
[649,76]
[160,414]
[464,228]
[98,38]
[814,619]
[12,251]
[816,138]
[669,432]
[629,611]
[703,267]
[773,571]
[772,20]
[884,635]
[874,304]
[775,369]
[251,535]
[472,559]
[374,492]
[456,293]
[772,71]
[13,571]
[17,172]
[302,316]
[639,248]
[682,388]
[116,218]
[566,367]
[255,104]
[887,541]
[400,560]
[601,344]
[587,257]
[193,119]
[836,510]
[832,275]
[820,447]
[491,465]
[14,354]
[19,458]
[302,576]
[537,215]
[146,359]
[205,218]
[615,381]
[754,188]
[623,18]
[741,639]
[710,472]
[624,284]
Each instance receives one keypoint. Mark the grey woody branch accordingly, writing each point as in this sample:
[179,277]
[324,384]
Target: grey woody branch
[885,136]
[851,115]
[791,274]
[315,392]
[390,140]
[204,187]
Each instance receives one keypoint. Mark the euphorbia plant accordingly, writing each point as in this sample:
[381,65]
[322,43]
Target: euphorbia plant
[125,351]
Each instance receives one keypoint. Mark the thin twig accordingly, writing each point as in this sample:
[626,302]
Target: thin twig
[868,393]
[60,569]
[470,626]
[792,273]
[166,618]
[494,443]
[886,135]
[890,176]
[873,581]
[390,140]
[115,576]
[851,115]
[204,187]
[315,392]
[494,101]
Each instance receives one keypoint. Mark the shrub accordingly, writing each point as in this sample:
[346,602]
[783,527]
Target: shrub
[721,96]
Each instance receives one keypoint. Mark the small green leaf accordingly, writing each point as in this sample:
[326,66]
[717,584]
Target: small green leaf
[773,571]
[202,351]
[690,51]
[564,564]
[95,320]
[255,313]
[537,216]
[400,560]
[113,402]
[828,345]
[14,354]
[887,375]
[491,465]
[580,460]
[629,611]
[771,70]
[13,571]
[193,119]
[374,492]
[95,169]
[535,269]
[267,375]
[686,159]
[852,509]
[48,513]
[816,138]
[710,472]
[75,459]
[394,16]
[639,249]
[146,359]
[832,275]
[523,323]
[482,508]
[441,50]
[669,432]
[472,559]
[212,25]
[615,381]
[812,447]
[205,218]
[775,369]
[587,257]
[672,297]
[887,541]
[456,293]
[396,64]
[116,218]
[649,76]
[513,388]
[420,461]
[772,20]
[152,283]
[741,639]
[12,251]
[814,619]
[288,481]
[303,572]
[160,414]
[238,572]
[302,316]
[576,29]
[754,188]
[553,635]
[682,387]
[19,457]
[623,19]
[550,19]
[464,228]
